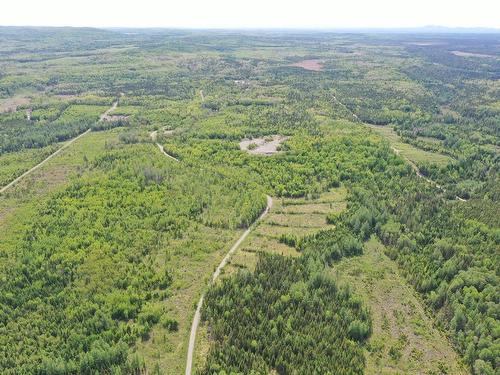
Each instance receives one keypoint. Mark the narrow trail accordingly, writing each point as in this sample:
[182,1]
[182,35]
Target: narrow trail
[111,109]
[13,182]
[154,135]
[43,161]
[397,152]
[216,274]
[419,174]
[355,116]
[201,95]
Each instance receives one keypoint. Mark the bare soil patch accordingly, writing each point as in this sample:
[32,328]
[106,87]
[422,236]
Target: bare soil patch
[314,65]
[65,96]
[115,118]
[263,146]
[11,104]
[423,44]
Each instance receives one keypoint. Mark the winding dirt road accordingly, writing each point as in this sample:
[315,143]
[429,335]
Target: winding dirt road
[216,274]
[419,174]
[154,135]
[397,152]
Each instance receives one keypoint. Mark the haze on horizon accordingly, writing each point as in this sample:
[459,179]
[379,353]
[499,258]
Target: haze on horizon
[252,14]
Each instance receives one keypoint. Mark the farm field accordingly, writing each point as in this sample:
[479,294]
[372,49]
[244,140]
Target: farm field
[131,162]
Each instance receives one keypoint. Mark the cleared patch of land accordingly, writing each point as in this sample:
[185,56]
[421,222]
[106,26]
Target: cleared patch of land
[34,168]
[14,164]
[404,340]
[313,64]
[11,104]
[262,146]
[289,216]
[423,44]
[408,151]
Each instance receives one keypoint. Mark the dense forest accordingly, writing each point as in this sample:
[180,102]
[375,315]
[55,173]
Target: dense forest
[106,248]
[287,318]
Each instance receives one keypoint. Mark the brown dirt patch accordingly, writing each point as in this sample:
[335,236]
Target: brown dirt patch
[114,118]
[314,65]
[262,146]
[11,104]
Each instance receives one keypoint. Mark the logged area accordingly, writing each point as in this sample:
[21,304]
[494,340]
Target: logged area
[252,202]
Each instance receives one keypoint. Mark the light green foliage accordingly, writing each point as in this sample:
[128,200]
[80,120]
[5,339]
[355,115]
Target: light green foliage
[89,268]
[85,279]
[14,164]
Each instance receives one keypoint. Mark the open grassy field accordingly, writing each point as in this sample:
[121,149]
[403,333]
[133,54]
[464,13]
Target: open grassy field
[412,153]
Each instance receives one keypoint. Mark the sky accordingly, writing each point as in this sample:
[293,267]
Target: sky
[252,13]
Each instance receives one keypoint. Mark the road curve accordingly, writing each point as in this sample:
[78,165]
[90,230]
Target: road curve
[197,314]
[419,174]
[154,135]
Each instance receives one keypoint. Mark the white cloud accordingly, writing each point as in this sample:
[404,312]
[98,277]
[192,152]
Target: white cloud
[251,13]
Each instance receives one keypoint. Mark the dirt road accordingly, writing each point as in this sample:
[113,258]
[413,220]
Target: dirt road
[419,174]
[415,168]
[397,152]
[154,135]
[54,153]
[111,109]
[216,274]
[42,162]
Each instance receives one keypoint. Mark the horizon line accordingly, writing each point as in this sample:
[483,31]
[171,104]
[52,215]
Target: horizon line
[428,28]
